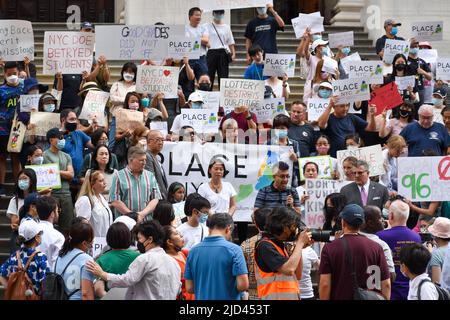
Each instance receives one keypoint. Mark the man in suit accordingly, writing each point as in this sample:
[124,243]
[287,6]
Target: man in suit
[364,192]
[155,143]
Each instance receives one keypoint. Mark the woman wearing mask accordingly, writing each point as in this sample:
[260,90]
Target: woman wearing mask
[353,141]
[102,162]
[401,69]
[439,102]
[334,203]
[92,205]
[35,156]
[395,125]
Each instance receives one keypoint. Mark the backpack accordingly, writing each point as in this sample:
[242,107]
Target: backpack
[53,287]
[443,293]
[20,286]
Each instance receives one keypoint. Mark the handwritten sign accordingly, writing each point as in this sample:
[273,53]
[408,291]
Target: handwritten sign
[94,106]
[428,31]
[386,97]
[180,47]
[324,163]
[128,119]
[211,99]
[344,39]
[269,108]
[347,61]
[97,246]
[330,65]
[29,102]
[372,71]
[351,90]
[155,79]
[68,52]
[404,82]
[236,93]
[160,126]
[424,178]
[316,107]
[210,5]
[394,47]
[279,65]
[443,69]
[202,120]
[44,121]
[47,176]
[16,40]
[373,155]
[303,21]
[429,55]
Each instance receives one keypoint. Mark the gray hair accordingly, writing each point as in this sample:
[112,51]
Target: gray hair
[230,123]
[362,163]
[426,108]
[400,211]
[134,152]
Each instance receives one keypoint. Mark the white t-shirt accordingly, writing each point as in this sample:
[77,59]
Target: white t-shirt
[192,235]
[198,32]
[220,202]
[278,88]
[13,209]
[428,290]
[52,242]
[99,215]
[225,34]
[176,125]
[309,258]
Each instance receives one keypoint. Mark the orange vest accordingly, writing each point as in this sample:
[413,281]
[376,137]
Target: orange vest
[275,285]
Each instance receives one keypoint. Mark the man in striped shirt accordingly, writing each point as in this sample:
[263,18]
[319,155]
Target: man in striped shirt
[134,189]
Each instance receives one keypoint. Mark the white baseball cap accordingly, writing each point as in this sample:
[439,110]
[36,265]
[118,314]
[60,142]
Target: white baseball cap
[318,42]
[196,97]
[325,84]
[29,229]
[130,223]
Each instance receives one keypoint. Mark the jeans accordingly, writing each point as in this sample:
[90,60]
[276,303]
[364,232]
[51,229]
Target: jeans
[199,66]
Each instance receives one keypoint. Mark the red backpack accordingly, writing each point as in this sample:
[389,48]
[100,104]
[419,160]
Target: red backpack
[20,286]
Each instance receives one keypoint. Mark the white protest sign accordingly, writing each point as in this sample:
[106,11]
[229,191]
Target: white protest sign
[47,176]
[68,52]
[119,42]
[344,39]
[128,119]
[97,246]
[424,179]
[330,65]
[429,55]
[155,79]
[202,120]
[316,107]
[443,69]
[372,71]
[180,47]
[325,166]
[211,99]
[428,31]
[16,40]
[249,166]
[404,82]
[210,5]
[279,65]
[394,47]
[94,106]
[351,90]
[160,126]
[303,21]
[178,209]
[236,93]
[29,102]
[373,155]
[269,108]
[347,61]
[43,121]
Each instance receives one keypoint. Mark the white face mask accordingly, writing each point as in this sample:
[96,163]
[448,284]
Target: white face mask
[33,91]
[261,11]
[13,79]
[128,77]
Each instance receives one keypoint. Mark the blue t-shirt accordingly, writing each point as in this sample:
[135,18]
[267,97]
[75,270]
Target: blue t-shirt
[338,128]
[264,33]
[435,138]
[75,272]
[9,100]
[213,265]
[255,72]
[75,142]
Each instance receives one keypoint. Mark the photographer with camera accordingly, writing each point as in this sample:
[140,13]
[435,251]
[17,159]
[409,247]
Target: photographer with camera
[276,273]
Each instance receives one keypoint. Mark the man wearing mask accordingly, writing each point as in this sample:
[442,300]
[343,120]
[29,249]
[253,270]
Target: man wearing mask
[391,28]
[195,101]
[262,30]
[420,68]
[439,103]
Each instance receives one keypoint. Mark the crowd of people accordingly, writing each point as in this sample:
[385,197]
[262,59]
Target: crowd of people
[162,243]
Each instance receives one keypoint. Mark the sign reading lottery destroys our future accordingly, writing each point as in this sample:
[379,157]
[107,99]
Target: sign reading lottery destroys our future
[237,93]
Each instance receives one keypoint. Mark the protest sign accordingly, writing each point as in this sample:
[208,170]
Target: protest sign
[16,40]
[97,246]
[94,106]
[29,102]
[210,5]
[249,166]
[43,121]
[330,65]
[373,155]
[386,97]
[351,90]
[269,108]
[160,126]
[303,21]
[423,179]
[180,47]
[394,47]
[316,107]
[202,120]
[178,209]
[128,119]
[47,176]
[211,99]
[371,71]
[279,65]
[347,61]
[237,93]
[158,79]
[443,69]
[429,55]
[325,166]
[344,39]
[428,31]
[404,82]
[68,52]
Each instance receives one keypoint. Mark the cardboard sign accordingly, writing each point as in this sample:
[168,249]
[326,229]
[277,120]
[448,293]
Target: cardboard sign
[344,39]
[279,65]
[312,21]
[429,55]
[316,107]
[156,79]
[372,71]
[68,52]
[44,121]
[325,166]
[16,40]
[330,65]
[180,47]
[202,120]
[211,99]
[404,82]
[351,90]
[394,47]
[386,97]
[373,155]
[347,61]
[424,178]
[97,246]
[47,176]
[29,102]
[443,69]
[268,109]
[210,5]
[128,119]
[160,126]
[428,31]
[236,93]
[94,106]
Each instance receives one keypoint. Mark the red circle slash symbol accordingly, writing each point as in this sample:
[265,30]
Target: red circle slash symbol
[444,169]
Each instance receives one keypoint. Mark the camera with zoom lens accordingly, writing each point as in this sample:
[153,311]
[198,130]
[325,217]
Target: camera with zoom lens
[317,235]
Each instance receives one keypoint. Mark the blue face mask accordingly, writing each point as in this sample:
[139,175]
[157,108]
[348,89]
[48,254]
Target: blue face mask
[346,51]
[61,144]
[438,102]
[219,17]
[281,133]
[414,51]
[49,107]
[324,93]
[394,31]
[317,37]
[145,102]
[197,105]
[23,184]
[203,218]
[326,52]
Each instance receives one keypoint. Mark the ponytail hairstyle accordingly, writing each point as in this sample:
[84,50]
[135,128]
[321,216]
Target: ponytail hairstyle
[79,231]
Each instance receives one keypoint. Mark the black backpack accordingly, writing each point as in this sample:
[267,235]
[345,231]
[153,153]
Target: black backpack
[443,293]
[53,287]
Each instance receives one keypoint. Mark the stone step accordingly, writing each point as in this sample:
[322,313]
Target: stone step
[3,217]
[5,230]
[4,201]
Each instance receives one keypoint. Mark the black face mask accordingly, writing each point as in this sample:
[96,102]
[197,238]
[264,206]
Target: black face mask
[404,114]
[141,247]
[400,67]
[71,126]
[331,211]
[204,86]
